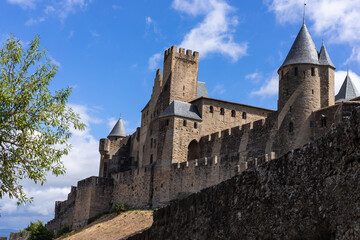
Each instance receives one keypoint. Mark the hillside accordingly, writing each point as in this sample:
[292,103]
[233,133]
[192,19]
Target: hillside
[114,227]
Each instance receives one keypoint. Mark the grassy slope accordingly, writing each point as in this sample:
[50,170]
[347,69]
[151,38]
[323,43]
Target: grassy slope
[114,227]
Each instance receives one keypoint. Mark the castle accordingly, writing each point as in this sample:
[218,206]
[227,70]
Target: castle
[188,141]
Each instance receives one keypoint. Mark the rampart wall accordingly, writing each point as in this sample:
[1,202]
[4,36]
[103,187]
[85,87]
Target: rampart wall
[309,193]
[91,197]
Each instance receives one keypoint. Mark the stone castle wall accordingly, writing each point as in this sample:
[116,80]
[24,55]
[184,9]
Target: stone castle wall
[309,193]
[91,197]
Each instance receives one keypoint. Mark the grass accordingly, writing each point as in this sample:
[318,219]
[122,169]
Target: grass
[114,226]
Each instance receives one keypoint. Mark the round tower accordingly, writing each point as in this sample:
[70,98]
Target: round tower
[301,91]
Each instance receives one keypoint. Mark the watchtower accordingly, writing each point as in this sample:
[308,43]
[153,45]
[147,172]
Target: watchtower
[306,83]
[180,74]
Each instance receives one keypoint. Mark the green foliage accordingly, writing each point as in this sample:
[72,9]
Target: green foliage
[62,231]
[120,207]
[34,122]
[38,231]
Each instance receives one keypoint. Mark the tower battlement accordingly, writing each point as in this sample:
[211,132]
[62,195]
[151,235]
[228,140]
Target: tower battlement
[188,54]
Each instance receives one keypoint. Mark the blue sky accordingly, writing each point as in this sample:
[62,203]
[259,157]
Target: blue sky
[108,51]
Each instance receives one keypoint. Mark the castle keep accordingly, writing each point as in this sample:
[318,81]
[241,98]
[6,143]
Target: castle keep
[188,141]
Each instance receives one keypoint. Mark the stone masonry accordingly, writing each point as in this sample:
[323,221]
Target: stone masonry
[188,141]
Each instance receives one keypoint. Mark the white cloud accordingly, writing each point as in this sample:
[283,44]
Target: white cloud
[148,20]
[154,61]
[94,33]
[111,123]
[23,3]
[254,77]
[340,77]
[215,34]
[60,8]
[337,20]
[219,89]
[53,61]
[33,21]
[270,88]
[49,9]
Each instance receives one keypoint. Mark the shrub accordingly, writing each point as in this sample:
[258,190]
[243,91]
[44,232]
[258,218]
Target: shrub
[119,207]
[38,231]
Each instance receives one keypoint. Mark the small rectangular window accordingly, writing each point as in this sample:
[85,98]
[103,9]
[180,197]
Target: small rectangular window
[296,71]
[312,71]
[184,123]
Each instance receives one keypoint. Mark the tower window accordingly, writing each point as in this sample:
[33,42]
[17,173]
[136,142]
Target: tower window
[323,121]
[154,143]
[290,109]
[167,122]
[233,113]
[222,111]
[282,73]
[312,71]
[211,109]
[151,159]
[244,115]
[184,123]
[195,125]
[151,143]
[312,91]
[287,92]
[291,127]
[296,71]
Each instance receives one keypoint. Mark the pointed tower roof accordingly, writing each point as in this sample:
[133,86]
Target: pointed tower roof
[303,49]
[347,90]
[118,130]
[324,58]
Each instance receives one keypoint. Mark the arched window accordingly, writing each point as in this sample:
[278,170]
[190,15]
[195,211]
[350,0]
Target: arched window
[291,127]
[244,115]
[193,150]
[222,111]
[184,123]
[211,109]
[233,113]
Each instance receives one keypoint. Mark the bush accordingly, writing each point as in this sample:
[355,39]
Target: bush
[38,231]
[62,231]
[119,207]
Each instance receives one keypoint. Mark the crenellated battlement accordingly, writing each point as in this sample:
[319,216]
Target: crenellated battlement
[181,53]
[251,128]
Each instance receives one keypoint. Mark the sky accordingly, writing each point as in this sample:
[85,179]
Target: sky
[108,52]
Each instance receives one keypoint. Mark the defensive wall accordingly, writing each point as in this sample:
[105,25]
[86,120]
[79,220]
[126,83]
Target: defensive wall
[309,193]
[91,197]
[223,155]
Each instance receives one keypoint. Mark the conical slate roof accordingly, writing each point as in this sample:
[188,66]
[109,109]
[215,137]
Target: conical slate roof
[118,130]
[303,49]
[347,90]
[324,58]
[182,109]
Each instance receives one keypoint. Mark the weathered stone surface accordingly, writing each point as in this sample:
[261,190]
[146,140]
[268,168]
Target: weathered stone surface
[309,193]
[24,235]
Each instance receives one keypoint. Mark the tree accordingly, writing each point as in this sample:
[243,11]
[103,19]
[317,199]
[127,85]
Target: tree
[38,231]
[35,123]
